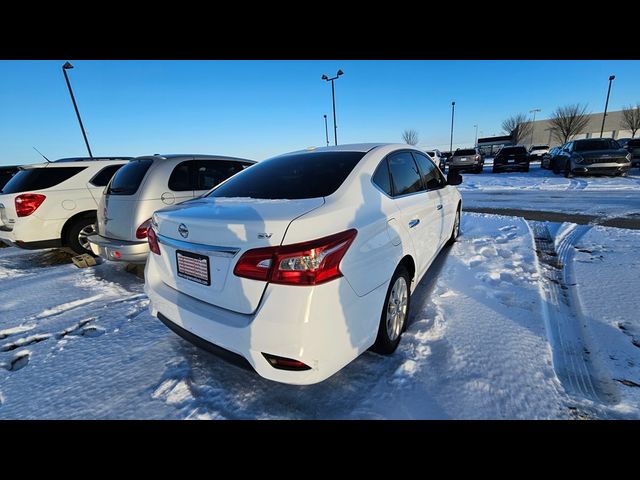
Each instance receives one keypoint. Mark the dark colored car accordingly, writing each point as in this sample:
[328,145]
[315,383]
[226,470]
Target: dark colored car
[511,158]
[6,173]
[466,159]
[549,158]
[599,156]
[632,145]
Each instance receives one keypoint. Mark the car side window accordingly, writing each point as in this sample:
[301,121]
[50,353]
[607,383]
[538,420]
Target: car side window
[211,173]
[431,175]
[405,175]
[382,179]
[183,176]
[103,176]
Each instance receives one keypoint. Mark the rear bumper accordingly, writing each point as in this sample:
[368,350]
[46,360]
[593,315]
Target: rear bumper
[325,326]
[32,233]
[465,166]
[511,166]
[119,250]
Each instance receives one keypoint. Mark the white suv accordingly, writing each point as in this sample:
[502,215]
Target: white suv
[54,204]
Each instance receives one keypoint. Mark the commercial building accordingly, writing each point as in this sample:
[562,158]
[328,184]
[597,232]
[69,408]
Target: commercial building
[543,134]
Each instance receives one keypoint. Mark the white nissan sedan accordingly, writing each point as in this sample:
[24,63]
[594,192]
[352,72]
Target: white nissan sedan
[302,262]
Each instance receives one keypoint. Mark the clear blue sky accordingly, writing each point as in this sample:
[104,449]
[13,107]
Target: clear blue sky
[257,109]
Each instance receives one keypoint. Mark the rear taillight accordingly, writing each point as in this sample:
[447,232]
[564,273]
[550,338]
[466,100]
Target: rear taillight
[27,203]
[152,238]
[141,232]
[477,157]
[308,263]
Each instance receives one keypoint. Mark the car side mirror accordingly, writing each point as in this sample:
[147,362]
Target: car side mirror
[454,177]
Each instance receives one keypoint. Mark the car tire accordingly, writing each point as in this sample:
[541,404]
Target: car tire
[479,169]
[494,170]
[455,231]
[556,168]
[567,172]
[77,233]
[395,312]
[525,169]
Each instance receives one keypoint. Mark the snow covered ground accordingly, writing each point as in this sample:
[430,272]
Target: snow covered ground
[81,344]
[540,189]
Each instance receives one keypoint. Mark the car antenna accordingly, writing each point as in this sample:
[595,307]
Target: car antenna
[48,161]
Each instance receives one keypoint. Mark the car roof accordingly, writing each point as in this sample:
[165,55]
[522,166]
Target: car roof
[90,159]
[98,163]
[351,147]
[190,156]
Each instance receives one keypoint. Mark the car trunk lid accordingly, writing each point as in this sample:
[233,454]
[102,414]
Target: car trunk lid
[201,241]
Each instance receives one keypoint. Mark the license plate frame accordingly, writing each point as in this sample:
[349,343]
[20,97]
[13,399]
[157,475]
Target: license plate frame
[195,271]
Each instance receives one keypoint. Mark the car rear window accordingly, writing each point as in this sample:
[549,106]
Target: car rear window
[597,144]
[295,176]
[5,175]
[633,143]
[468,151]
[430,153]
[39,178]
[127,180]
[539,147]
[513,150]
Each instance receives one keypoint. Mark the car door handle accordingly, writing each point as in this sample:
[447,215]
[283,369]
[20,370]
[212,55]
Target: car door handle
[439,207]
[414,222]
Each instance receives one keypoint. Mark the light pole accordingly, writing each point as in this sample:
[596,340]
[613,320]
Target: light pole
[453,109]
[475,141]
[65,67]
[333,98]
[326,129]
[606,104]
[533,124]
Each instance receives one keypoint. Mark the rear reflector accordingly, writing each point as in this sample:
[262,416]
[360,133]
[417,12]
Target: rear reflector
[307,263]
[27,203]
[152,238]
[283,363]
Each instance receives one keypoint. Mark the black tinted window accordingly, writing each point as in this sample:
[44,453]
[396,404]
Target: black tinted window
[39,178]
[127,180]
[183,176]
[5,175]
[211,173]
[597,144]
[467,151]
[431,175]
[513,150]
[381,177]
[103,176]
[404,174]
[294,176]
[633,143]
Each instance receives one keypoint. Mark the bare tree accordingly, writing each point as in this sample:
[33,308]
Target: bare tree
[568,121]
[410,136]
[519,127]
[631,119]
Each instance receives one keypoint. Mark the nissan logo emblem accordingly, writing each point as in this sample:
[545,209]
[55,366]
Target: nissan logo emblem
[183,230]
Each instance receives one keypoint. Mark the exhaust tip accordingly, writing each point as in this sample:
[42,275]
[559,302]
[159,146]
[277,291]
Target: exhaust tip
[284,363]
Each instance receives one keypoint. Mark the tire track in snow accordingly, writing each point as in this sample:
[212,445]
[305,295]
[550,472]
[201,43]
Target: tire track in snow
[579,373]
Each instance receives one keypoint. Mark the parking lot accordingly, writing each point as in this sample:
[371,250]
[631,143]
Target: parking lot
[482,340]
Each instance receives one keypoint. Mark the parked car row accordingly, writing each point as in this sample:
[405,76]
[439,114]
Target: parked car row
[294,265]
[599,156]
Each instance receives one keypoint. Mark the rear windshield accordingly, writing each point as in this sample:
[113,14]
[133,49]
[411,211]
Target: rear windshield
[598,144]
[5,175]
[468,151]
[39,178]
[513,150]
[431,154]
[127,180]
[292,177]
[633,143]
[539,147]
